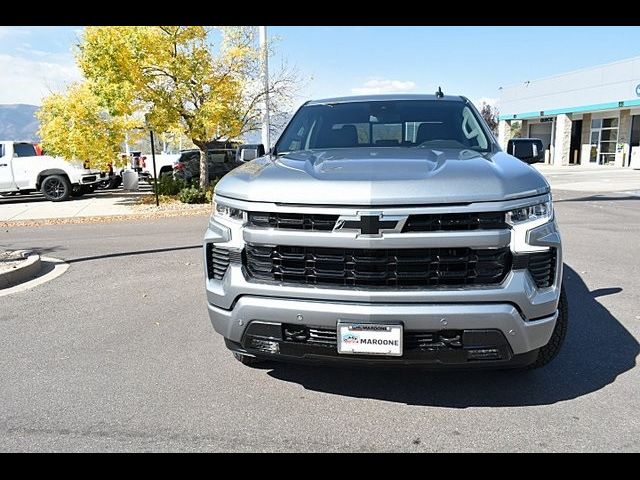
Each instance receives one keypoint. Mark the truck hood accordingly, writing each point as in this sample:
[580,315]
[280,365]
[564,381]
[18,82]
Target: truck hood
[383,176]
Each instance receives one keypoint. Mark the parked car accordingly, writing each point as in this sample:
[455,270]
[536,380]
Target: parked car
[111,181]
[249,151]
[22,170]
[164,164]
[220,161]
[388,230]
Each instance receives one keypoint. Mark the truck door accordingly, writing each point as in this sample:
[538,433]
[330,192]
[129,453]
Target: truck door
[6,174]
[25,161]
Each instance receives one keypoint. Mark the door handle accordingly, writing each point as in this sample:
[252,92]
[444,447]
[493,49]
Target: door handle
[3,164]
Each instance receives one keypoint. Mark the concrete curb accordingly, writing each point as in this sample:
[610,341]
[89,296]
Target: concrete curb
[150,215]
[23,272]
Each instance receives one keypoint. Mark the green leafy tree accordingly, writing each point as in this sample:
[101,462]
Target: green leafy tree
[181,80]
[490,115]
[75,126]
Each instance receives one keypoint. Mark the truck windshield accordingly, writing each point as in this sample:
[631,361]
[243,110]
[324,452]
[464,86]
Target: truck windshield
[434,124]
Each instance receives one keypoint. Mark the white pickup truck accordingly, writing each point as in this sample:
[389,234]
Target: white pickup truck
[23,171]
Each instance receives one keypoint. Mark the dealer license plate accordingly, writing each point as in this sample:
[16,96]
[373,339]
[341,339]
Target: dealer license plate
[369,339]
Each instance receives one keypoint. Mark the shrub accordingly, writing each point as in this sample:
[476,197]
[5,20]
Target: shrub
[167,185]
[209,191]
[192,195]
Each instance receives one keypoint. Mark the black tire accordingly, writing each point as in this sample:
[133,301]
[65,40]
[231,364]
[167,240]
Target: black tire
[551,349]
[247,360]
[116,181]
[56,188]
[103,184]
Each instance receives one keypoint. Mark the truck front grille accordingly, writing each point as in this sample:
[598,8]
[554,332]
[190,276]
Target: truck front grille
[455,221]
[541,266]
[415,223]
[292,221]
[218,260]
[412,340]
[390,268]
[419,346]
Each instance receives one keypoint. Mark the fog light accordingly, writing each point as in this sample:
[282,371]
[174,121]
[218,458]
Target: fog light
[266,346]
[484,354]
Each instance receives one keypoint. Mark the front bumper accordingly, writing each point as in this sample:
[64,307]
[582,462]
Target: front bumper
[519,336]
[522,314]
[92,178]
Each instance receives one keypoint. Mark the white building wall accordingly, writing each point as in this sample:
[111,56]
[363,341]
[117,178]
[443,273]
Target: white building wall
[612,82]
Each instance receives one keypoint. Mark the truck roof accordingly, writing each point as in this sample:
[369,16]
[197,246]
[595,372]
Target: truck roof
[386,97]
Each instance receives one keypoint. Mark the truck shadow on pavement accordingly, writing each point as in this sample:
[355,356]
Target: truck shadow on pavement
[124,197]
[597,349]
[599,198]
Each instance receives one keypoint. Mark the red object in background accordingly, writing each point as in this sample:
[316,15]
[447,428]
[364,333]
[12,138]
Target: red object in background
[38,148]
[179,166]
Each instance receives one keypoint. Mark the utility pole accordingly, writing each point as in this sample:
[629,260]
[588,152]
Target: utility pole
[155,173]
[126,144]
[266,134]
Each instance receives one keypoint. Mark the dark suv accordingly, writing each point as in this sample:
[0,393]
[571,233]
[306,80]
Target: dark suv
[220,162]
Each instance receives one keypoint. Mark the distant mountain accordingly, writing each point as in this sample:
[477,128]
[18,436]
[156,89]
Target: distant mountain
[18,122]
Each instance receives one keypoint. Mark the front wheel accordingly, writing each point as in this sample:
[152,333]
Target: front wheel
[551,349]
[56,188]
[115,182]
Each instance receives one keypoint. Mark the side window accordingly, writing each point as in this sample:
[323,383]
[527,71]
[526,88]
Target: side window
[24,150]
[472,130]
[1,150]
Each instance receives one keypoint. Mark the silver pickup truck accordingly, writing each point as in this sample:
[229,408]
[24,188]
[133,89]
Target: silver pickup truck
[388,230]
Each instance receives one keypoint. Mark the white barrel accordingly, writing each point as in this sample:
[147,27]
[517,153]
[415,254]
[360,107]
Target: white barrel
[130,180]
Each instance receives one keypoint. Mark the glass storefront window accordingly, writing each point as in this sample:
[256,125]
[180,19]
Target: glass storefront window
[610,135]
[607,158]
[604,137]
[607,147]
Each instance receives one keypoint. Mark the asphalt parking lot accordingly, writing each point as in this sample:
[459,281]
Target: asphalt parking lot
[118,354]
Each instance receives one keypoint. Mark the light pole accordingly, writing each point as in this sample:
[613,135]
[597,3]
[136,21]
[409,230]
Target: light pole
[266,134]
[153,157]
[155,175]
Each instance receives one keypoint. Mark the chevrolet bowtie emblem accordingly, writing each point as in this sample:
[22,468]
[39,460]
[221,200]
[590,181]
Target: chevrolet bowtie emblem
[370,224]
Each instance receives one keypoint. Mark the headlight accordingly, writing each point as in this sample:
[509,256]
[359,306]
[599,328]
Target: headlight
[531,213]
[231,213]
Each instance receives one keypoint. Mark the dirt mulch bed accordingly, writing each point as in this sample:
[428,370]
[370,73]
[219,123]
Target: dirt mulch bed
[141,212]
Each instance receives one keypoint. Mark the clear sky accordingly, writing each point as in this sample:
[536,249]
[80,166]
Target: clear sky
[333,61]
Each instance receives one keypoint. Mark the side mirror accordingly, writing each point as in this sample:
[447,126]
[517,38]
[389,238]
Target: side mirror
[529,150]
[249,152]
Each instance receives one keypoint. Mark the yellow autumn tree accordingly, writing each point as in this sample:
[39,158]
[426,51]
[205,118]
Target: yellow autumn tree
[178,77]
[74,125]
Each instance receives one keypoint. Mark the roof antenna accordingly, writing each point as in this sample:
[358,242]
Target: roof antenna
[439,93]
